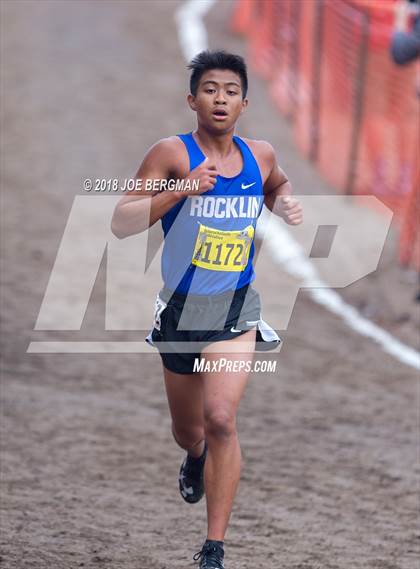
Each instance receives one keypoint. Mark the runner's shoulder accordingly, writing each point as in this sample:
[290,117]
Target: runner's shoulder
[171,152]
[169,144]
[264,154]
[261,148]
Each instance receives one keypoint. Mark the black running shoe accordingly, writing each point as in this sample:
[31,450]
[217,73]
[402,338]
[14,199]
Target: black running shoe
[211,556]
[191,477]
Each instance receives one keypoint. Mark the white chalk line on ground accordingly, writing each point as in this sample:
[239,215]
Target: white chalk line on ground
[192,35]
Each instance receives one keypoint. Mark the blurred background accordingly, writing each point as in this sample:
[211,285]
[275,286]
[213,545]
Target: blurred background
[346,74]
[330,461]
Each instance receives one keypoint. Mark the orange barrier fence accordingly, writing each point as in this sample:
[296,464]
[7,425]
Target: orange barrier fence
[355,113]
[410,230]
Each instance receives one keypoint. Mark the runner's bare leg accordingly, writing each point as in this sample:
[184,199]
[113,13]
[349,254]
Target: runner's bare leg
[222,394]
[185,399]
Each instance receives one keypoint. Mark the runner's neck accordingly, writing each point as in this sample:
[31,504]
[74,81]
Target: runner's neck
[221,145]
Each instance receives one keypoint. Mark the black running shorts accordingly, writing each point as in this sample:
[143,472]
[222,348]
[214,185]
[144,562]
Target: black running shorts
[185,324]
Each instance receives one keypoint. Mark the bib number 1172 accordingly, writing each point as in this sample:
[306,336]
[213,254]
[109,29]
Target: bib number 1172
[219,250]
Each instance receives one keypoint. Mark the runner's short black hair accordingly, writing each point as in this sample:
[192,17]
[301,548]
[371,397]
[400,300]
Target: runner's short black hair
[207,60]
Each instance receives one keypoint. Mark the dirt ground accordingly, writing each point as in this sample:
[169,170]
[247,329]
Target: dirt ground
[89,468]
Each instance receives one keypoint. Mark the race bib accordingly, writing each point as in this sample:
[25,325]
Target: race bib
[219,250]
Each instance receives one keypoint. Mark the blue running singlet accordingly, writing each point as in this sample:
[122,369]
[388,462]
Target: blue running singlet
[209,238]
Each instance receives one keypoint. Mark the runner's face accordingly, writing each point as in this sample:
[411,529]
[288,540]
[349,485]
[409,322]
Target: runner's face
[218,102]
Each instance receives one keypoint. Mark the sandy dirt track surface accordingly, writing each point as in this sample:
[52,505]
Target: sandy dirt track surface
[89,468]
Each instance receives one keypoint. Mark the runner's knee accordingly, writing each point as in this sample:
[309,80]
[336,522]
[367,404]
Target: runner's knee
[219,424]
[187,437]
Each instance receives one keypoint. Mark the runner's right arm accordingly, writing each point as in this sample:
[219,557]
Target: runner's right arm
[140,209]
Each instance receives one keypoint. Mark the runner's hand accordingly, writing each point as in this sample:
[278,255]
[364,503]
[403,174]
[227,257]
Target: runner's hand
[206,173]
[291,210]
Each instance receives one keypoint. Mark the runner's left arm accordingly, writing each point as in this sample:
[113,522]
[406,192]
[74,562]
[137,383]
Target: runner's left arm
[278,190]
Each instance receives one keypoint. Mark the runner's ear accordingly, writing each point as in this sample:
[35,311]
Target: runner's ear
[191,102]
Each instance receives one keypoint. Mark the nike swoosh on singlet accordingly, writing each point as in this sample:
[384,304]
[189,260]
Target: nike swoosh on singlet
[246,186]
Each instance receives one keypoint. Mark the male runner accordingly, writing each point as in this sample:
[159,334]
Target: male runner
[207,302]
